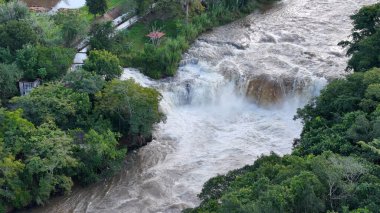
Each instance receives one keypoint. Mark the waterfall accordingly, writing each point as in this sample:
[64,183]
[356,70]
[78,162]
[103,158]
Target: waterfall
[233,100]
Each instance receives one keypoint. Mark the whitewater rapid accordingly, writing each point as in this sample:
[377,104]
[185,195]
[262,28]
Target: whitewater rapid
[216,121]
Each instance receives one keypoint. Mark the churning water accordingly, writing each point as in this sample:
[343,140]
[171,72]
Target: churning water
[236,104]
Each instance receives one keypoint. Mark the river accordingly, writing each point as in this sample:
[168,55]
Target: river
[223,112]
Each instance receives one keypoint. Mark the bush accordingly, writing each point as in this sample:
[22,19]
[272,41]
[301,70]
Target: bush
[84,82]
[104,64]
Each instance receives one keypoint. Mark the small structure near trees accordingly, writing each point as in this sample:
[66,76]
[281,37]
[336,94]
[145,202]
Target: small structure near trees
[26,87]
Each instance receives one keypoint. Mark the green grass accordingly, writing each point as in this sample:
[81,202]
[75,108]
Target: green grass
[90,17]
[114,3]
[136,35]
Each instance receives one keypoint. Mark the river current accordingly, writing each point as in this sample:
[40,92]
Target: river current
[233,105]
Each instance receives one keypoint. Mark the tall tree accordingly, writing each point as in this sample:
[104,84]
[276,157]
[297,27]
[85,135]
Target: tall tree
[97,6]
[9,76]
[365,44]
[98,154]
[55,102]
[132,108]
[84,82]
[14,34]
[13,10]
[72,26]
[104,64]
[35,162]
[101,36]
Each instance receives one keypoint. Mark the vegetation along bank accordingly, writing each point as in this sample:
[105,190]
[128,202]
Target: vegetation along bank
[68,130]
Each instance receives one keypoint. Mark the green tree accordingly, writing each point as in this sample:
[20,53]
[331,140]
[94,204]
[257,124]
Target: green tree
[27,60]
[84,82]
[344,114]
[11,188]
[143,6]
[100,36]
[328,182]
[98,154]
[49,33]
[15,34]
[36,162]
[53,61]
[97,6]
[73,26]
[6,56]
[364,46]
[55,102]
[104,64]
[9,77]
[13,10]
[133,109]
[49,161]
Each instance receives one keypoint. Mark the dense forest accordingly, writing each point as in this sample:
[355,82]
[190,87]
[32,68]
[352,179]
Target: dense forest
[73,128]
[335,164]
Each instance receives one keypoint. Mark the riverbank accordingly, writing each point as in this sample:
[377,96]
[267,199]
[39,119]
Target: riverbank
[334,165]
[210,128]
[160,57]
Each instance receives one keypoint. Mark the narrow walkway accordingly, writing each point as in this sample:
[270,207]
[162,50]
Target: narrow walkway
[119,23]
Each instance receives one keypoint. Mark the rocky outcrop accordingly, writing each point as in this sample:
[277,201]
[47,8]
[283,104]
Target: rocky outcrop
[267,90]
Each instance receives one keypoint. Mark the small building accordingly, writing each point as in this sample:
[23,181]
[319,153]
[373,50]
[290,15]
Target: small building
[26,87]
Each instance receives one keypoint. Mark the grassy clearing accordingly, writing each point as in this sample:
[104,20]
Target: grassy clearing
[161,60]
[136,35]
[115,3]
[111,5]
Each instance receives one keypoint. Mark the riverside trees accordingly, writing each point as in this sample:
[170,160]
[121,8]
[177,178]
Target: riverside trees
[60,133]
[68,124]
[295,184]
[365,44]
[97,6]
[33,43]
[104,64]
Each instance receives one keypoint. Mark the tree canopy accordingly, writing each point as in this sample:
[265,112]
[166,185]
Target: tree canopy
[365,44]
[104,64]
[294,184]
[54,102]
[9,77]
[97,6]
[334,166]
[15,34]
[133,109]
